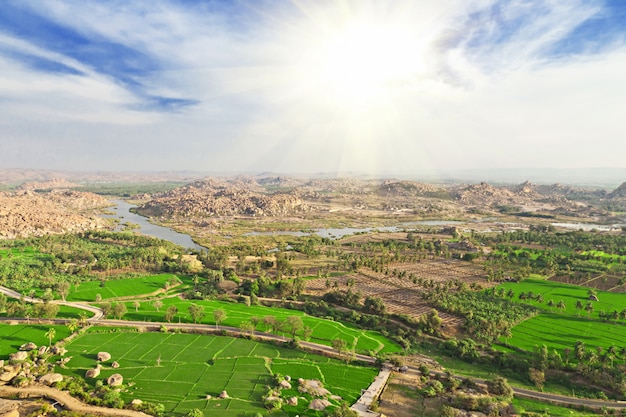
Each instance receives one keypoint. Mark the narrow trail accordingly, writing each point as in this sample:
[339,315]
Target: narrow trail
[66,400]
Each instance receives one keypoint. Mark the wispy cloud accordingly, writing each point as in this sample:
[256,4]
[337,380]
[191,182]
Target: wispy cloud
[237,85]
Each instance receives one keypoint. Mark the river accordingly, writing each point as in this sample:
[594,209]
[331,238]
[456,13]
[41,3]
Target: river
[122,212]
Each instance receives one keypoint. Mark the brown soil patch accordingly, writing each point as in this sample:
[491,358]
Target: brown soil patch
[400,399]
[402,295]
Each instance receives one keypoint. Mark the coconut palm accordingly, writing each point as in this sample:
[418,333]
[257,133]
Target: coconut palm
[50,335]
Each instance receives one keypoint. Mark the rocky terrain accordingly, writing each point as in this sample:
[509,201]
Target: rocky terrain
[50,205]
[223,198]
[26,213]
[281,196]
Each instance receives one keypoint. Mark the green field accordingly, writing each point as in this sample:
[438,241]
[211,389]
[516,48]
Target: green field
[192,366]
[88,291]
[559,330]
[13,336]
[324,331]
[531,406]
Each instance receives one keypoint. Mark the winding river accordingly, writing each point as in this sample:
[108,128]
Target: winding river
[121,211]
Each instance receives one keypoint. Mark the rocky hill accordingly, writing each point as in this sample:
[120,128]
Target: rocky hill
[618,193]
[26,213]
[404,189]
[213,197]
[487,195]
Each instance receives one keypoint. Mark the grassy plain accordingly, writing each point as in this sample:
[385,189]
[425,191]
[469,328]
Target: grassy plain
[180,370]
[561,329]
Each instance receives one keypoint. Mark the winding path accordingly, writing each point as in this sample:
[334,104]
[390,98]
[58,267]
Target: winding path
[98,319]
[66,400]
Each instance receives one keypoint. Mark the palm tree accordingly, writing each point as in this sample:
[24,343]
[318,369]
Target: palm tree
[50,335]
[579,307]
[589,308]
[72,325]
[507,334]
[561,305]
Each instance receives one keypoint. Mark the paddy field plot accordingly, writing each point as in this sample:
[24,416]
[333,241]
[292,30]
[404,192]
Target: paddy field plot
[324,330]
[561,329]
[180,370]
[13,336]
[128,287]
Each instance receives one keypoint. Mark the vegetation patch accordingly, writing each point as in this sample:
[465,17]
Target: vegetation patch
[92,290]
[568,315]
[13,336]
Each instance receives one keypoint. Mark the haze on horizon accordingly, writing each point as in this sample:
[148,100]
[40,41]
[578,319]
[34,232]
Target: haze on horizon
[313,86]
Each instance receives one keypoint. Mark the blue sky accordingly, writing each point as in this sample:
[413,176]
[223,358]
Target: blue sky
[312,86]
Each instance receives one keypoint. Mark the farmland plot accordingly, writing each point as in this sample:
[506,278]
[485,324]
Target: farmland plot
[560,329]
[181,370]
[403,295]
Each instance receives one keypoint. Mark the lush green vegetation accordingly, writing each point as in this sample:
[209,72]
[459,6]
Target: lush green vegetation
[89,291]
[539,292]
[526,407]
[270,319]
[544,331]
[562,323]
[577,254]
[180,370]
[13,336]
[40,264]
[130,189]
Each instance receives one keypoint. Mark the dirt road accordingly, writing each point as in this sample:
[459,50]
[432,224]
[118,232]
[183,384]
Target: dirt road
[66,400]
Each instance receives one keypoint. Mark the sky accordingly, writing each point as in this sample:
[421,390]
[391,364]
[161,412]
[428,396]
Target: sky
[312,86]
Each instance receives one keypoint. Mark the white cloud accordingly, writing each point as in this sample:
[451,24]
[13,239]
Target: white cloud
[480,99]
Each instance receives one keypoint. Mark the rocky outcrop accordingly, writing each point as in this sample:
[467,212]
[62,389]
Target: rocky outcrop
[312,387]
[404,189]
[18,356]
[26,213]
[9,372]
[50,379]
[115,380]
[220,198]
[28,346]
[93,372]
[103,356]
[319,404]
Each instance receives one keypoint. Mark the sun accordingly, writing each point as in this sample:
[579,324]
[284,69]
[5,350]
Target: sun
[364,60]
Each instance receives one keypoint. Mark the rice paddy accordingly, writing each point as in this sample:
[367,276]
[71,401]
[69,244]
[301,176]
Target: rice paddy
[180,370]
